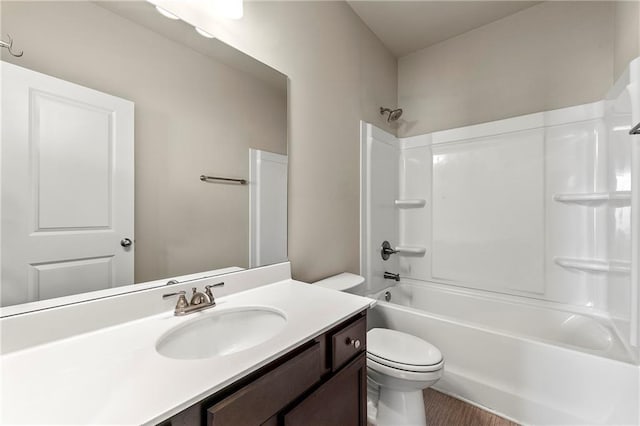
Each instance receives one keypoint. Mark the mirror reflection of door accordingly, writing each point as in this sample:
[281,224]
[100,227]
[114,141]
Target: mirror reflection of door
[200,106]
[267,207]
[67,185]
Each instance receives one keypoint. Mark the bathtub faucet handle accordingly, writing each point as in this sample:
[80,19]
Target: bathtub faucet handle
[386,250]
[391,276]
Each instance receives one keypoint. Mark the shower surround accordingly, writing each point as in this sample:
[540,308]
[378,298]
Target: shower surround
[518,254]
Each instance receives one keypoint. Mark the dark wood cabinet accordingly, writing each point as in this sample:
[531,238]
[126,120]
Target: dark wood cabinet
[260,399]
[348,342]
[339,401]
[322,382]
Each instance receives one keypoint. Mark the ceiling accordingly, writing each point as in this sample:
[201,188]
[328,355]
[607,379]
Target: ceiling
[407,26]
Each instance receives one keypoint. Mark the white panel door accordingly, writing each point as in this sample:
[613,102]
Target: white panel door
[67,188]
[267,208]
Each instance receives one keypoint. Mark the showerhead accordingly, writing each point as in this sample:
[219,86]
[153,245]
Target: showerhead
[394,114]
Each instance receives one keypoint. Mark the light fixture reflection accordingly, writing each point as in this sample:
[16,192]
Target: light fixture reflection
[203,33]
[232,9]
[166,13]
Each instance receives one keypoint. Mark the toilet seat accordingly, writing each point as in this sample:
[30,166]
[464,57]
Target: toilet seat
[405,367]
[402,351]
[406,375]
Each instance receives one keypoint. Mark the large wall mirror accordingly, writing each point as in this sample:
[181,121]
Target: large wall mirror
[116,122]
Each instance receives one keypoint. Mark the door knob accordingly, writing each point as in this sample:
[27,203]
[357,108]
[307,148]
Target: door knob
[126,242]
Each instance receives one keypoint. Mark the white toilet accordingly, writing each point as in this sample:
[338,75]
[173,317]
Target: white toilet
[399,367]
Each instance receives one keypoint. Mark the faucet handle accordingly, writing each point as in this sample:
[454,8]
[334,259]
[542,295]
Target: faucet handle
[182,301]
[208,292]
[181,292]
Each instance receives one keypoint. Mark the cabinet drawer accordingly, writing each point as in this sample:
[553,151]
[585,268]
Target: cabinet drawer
[348,342]
[261,399]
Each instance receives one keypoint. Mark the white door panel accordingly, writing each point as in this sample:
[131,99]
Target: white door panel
[65,278]
[64,200]
[67,187]
[267,208]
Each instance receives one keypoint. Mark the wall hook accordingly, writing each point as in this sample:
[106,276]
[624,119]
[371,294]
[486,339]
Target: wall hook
[9,46]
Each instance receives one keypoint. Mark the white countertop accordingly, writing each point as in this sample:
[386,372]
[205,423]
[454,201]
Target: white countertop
[115,376]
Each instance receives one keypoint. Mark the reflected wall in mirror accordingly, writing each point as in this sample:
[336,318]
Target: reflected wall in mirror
[109,119]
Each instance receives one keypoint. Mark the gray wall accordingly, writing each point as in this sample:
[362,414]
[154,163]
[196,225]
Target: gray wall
[339,73]
[549,56]
[626,31]
[194,115]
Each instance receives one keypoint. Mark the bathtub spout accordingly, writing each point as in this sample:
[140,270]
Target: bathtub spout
[391,276]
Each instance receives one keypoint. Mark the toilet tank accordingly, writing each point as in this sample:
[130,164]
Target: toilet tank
[346,281]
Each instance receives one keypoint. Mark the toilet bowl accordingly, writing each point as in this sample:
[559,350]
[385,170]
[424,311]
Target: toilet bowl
[402,366]
[399,367]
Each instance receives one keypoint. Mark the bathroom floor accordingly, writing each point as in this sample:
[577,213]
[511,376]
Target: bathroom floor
[443,410]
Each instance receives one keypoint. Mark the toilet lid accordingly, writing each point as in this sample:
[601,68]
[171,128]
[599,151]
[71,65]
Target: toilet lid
[401,350]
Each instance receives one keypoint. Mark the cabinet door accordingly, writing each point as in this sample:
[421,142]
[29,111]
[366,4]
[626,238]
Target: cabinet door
[258,401]
[340,401]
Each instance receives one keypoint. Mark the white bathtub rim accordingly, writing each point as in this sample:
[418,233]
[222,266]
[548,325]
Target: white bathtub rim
[601,317]
[486,329]
[505,298]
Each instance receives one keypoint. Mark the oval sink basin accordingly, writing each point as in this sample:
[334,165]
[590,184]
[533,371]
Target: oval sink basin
[221,333]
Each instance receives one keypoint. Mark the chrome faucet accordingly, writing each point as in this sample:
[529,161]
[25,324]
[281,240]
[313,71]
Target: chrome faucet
[199,300]
[391,276]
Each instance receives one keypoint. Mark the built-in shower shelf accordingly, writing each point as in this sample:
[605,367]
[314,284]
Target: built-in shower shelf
[411,250]
[413,203]
[594,265]
[620,197]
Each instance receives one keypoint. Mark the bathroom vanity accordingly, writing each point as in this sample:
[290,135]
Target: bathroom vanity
[80,343]
[110,365]
[321,382]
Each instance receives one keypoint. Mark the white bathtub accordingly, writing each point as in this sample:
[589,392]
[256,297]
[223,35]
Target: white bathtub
[530,363]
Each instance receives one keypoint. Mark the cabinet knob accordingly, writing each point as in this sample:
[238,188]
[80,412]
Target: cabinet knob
[353,342]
